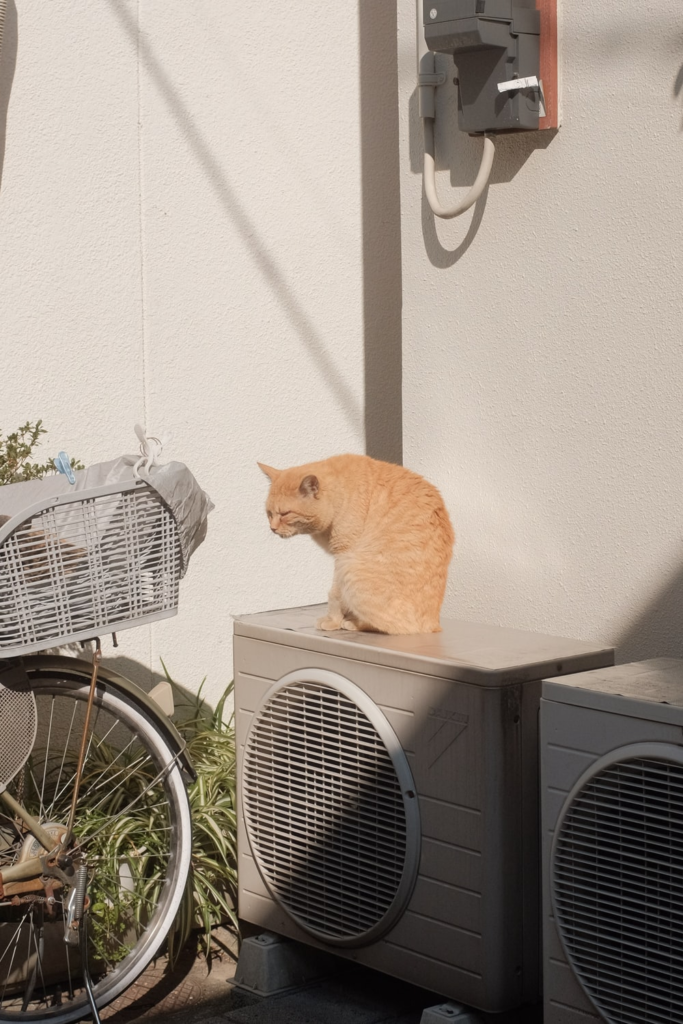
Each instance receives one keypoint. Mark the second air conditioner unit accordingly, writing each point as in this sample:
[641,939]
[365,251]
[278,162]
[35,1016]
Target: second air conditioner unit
[387,796]
[612,795]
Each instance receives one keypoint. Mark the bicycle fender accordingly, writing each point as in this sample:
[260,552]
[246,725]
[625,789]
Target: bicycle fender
[36,665]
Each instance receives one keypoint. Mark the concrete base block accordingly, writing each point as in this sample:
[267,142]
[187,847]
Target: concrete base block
[269,965]
[455,1012]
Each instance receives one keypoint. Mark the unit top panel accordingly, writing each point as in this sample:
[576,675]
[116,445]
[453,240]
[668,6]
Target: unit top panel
[651,689]
[465,651]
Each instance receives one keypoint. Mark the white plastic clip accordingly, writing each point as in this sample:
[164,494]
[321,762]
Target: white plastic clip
[150,450]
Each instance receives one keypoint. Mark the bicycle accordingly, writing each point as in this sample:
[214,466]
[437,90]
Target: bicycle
[87,895]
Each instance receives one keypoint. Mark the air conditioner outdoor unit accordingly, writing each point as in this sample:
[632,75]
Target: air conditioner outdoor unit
[388,807]
[612,817]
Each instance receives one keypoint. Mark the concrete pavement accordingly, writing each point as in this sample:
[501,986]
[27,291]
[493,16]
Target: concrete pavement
[352,995]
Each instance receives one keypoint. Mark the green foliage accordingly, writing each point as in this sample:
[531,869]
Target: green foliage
[136,838]
[134,841]
[210,897]
[125,817]
[127,849]
[16,453]
[211,891]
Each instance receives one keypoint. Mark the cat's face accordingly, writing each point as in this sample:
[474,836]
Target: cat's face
[294,503]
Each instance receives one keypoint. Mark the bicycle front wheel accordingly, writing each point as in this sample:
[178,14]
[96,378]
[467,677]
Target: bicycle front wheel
[132,828]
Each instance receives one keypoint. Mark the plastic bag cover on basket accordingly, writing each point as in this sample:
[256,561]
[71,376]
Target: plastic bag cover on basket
[173,481]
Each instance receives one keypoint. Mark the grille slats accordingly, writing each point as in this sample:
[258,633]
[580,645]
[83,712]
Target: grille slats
[324,810]
[318,817]
[309,776]
[568,897]
[627,858]
[659,846]
[347,907]
[336,869]
[658,820]
[632,784]
[301,839]
[588,940]
[317,726]
[335,762]
[661,973]
[617,878]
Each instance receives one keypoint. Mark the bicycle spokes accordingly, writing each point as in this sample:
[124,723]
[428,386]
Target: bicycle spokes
[98,765]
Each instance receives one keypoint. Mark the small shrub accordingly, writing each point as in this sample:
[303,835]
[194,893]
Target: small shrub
[16,453]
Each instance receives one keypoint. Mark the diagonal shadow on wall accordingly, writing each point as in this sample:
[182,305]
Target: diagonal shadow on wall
[217,178]
[8,62]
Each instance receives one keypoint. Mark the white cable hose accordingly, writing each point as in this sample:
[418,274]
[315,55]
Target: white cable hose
[480,181]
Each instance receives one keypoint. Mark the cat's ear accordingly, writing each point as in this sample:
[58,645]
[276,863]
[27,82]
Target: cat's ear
[309,487]
[268,470]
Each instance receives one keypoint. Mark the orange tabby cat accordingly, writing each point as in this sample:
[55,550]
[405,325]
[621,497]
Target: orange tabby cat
[388,530]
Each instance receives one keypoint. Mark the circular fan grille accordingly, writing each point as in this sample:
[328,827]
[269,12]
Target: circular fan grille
[18,719]
[618,890]
[326,812]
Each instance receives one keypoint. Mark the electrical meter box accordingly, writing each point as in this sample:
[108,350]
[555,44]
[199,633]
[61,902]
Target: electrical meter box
[492,42]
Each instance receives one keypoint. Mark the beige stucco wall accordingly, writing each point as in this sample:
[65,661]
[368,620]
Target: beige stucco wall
[543,341]
[199,229]
[191,194]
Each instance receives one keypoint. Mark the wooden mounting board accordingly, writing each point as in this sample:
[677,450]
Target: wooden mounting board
[549,69]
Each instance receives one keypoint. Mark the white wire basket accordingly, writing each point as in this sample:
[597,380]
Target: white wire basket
[84,563]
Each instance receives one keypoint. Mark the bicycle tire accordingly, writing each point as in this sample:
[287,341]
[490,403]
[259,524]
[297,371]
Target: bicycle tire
[71,684]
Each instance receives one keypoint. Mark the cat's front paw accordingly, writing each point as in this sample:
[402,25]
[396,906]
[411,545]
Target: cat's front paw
[350,624]
[328,622]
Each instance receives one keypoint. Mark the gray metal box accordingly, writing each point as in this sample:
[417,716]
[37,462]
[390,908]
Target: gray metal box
[388,796]
[491,41]
[612,825]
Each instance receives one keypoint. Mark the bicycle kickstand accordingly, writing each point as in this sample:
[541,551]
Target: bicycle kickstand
[77,932]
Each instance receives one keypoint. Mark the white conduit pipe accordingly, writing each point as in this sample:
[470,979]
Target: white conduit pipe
[428,78]
[480,182]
